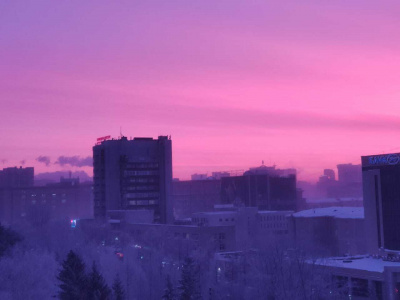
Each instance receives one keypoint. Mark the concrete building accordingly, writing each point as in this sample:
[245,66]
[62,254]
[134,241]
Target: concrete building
[198,176]
[40,204]
[16,177]
[381,186]
[330,174]
[133,174]
[263,191]
[376,275]
[251,226]
[330,231]
[349,173]
[364,277]
[192,196]
[182,240]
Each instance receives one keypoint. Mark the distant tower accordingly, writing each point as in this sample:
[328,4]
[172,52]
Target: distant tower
[330,174]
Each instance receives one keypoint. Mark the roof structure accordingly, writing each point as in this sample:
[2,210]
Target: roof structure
[336,212]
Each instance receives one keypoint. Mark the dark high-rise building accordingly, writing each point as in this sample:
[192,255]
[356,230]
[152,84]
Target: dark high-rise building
[381,186]
[267,192]
[133,174]
[16,177]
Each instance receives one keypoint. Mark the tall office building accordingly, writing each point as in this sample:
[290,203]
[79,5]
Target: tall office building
[133,174]
[381,187]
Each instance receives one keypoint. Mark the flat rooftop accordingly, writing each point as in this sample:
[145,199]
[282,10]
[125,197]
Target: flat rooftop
[336,212]
[362,263]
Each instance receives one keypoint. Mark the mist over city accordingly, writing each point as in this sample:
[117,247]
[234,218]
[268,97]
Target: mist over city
[187,150]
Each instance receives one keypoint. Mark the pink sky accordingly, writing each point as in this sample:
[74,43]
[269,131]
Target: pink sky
[303,84]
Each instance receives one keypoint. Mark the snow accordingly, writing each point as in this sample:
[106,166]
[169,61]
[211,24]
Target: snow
[336,212]
[364,263]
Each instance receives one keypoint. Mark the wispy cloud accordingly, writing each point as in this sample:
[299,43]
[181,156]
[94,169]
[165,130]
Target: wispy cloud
[75,161]
[44,159]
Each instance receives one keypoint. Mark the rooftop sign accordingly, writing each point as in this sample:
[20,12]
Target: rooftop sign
[102,139]
[381,160]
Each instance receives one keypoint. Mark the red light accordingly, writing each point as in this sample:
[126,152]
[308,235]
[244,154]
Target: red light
[119,254]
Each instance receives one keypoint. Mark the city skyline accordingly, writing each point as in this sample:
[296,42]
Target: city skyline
[305,86]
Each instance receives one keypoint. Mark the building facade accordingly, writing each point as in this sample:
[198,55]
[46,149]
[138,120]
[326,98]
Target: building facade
[263,191]
[330,231]
[38,205]
[133,174]
[190,196]
[381,186]
[16,177]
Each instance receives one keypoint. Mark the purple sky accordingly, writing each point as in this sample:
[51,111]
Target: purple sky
[304,84]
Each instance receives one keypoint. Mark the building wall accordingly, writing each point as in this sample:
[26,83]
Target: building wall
[38,205]
[16,177]
[263,191]
[134,174]
[195,196]
[329,236]
[252,227]
[381,185]
[181,240]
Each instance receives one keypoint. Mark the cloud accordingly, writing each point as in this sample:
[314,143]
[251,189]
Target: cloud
[44,159]
[75,161]
[22,162]
[4,161]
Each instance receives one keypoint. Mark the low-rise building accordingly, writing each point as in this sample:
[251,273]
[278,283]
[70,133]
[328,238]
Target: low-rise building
[330,231]
[364,277]
[40,204]
[192,196]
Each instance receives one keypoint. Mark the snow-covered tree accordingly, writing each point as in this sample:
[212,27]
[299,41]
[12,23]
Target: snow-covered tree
[73,278]
[118,289]
[96,285]
[169,292]
[189,283]
[8,238]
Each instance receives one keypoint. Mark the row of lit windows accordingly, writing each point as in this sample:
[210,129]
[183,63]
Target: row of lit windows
[273,225]
[142,195]
[143,202]
[273,218]
[143,180]
[227,220]
[44,201]
[43,195]
[142,188]
[140,173]
[142,165]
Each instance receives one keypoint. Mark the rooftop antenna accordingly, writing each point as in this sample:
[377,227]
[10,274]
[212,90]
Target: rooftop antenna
[262,162]
[120,131]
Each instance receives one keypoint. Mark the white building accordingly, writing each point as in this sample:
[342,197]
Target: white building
[330,231]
